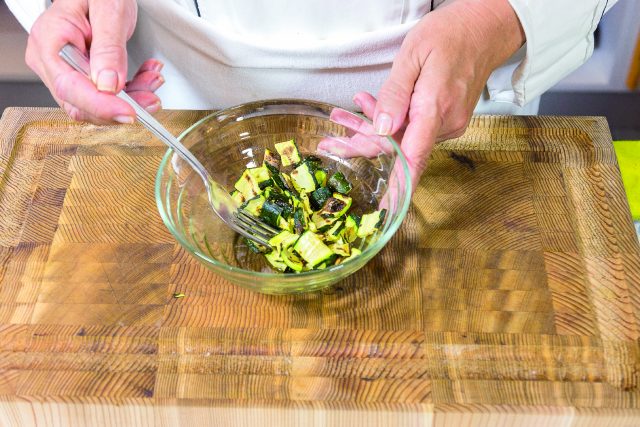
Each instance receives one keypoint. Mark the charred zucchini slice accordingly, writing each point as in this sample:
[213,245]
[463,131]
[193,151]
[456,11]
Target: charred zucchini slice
[312,249]
[289,154]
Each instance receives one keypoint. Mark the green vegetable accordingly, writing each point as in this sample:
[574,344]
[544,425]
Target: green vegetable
[319,197]
[339,183]
[370,223]
[270,213]
[312,249]
[254,206]
[270,159]
[247,185]
[238,197]
[350,232]
[303,180]
[310,208]
[321,177]
[289,154]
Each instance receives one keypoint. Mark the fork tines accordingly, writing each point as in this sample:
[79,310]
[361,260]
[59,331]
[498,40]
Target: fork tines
[254,229]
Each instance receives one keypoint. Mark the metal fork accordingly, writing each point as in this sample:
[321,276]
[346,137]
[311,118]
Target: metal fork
[219,199]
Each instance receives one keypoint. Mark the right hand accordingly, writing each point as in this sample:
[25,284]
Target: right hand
[103,27]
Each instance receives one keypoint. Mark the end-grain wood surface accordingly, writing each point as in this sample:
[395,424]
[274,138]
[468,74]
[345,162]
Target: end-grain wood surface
[510,295]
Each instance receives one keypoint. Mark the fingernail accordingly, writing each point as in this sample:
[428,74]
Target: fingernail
[383,124]
[158,66]
[156,83]
[107,81]
[154,108]
[125,120]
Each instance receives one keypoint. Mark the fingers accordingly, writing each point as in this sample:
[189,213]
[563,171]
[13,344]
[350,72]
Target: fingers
[417,144]
[148,100]
[75,89]
[395,94]
[112,24]
[366,102]
[148,81]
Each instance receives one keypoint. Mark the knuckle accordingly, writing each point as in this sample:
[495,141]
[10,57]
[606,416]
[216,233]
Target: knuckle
[72,112]
[108,48]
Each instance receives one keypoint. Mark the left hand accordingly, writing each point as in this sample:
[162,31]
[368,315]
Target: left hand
[439,74]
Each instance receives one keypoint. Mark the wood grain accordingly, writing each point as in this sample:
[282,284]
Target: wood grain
[510,295]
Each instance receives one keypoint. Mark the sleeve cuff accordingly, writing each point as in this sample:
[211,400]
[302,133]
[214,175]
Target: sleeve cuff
[26,11]
[559,39]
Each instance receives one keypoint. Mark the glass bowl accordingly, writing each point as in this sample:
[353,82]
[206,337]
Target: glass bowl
[231,140]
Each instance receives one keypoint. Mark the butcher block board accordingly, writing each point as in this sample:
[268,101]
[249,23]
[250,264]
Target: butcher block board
[510,295]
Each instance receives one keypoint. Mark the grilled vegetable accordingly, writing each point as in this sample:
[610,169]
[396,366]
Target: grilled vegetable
[254,206]
[270,159]
[303,179]
[339,183]
[351,224]
[319,197]
[237,197]
[312,249]
[311,209]
[289,154]
[321,177]
[371,223]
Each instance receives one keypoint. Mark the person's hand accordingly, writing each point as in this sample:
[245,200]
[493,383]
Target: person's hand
[103,27]
[439,74]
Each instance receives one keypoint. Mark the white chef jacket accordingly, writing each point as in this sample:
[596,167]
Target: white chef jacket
[219,53]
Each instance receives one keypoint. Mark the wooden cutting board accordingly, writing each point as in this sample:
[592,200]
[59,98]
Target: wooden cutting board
[511,294]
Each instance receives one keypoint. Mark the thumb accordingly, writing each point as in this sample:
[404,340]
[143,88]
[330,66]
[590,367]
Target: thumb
[112,24]
[394,96]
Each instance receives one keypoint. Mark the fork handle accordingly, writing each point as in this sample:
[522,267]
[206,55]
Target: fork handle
[79,62]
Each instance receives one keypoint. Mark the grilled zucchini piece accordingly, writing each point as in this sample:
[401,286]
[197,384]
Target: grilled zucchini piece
[339,183]
[303,179]
[371,222]
[289,154]
[312,249]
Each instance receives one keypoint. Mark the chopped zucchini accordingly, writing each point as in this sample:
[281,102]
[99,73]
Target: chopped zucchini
[333,234]
[339,183]
[333,208]
[302,179]
[311,209]
[283,201]
[238,197]
[314,163]
[312,249]
[371,222]
[271,213]
[354,253]
[283,239]
[289,154]
[275,259]
[291,259]
[350,232]
[341,248]
[271,159]
[299,221]
[287,180]
[254,206]
[321,177]
[319,197]
[260,175]
[247,185]
[256,247]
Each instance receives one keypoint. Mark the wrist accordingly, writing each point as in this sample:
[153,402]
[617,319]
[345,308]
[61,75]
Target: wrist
[496,28]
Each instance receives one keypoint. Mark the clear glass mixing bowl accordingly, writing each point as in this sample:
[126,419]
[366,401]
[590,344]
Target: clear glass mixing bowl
[231,140]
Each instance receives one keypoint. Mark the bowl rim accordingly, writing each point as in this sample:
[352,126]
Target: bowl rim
[371,250]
